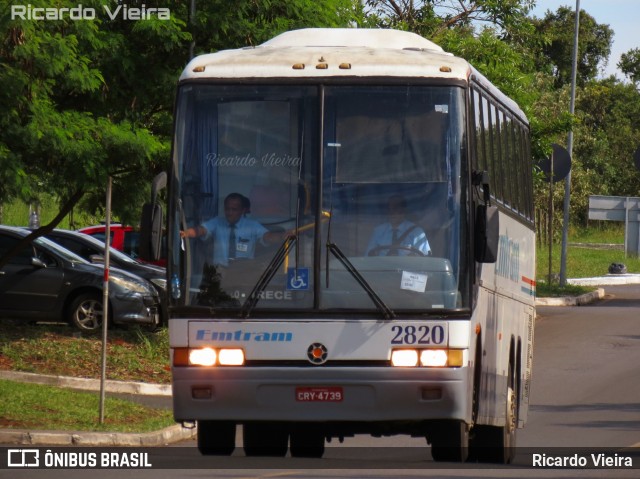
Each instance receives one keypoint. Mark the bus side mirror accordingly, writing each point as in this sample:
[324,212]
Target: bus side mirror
[487,234]
[151,222]
[151,232]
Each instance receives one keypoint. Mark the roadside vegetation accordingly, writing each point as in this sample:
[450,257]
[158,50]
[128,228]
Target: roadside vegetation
[39,407]
[590,252]
[58,349]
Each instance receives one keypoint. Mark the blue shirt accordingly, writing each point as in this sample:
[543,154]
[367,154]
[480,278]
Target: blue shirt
[247,232]
[383,234]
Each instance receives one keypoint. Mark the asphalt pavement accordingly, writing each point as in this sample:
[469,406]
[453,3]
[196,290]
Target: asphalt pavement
[159,395]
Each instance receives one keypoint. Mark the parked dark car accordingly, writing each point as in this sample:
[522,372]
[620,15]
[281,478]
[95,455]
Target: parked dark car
[47,281]
[92,250]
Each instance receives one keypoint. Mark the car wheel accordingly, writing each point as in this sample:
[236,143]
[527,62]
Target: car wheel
[85,312]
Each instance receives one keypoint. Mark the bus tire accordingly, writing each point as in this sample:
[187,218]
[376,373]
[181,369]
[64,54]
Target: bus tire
[497,444]
[265,439]
[216,438]
[450,441]
[307,440]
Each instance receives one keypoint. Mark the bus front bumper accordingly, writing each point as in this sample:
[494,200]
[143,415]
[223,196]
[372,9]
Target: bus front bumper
[361,394]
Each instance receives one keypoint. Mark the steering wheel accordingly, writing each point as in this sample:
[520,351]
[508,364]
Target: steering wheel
[412,251]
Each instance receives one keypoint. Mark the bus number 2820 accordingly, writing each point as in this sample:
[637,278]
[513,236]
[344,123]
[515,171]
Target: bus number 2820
[418,334]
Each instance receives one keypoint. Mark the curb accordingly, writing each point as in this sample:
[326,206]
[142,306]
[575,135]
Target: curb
[572,300]
[171,434]
[162,437]
[609,279]
[112,386]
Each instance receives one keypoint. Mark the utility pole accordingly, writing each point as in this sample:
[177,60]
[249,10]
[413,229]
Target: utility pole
[567,184]
[192,22]
[105,302]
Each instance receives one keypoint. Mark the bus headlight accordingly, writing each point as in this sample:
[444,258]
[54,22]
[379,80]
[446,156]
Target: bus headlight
[208,357]
[231,357]
[432,358]
[202,357]
[404,358]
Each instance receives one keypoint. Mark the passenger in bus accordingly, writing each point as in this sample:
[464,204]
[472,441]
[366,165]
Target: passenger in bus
[235,235]
[398,236]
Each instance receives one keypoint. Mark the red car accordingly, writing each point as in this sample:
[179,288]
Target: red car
[123,238]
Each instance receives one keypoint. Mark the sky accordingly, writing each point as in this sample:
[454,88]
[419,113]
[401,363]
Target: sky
[622,16]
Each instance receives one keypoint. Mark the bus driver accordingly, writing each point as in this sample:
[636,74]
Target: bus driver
[235,235]
[398,236]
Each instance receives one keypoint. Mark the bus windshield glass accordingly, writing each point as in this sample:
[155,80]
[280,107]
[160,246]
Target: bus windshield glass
[320,198]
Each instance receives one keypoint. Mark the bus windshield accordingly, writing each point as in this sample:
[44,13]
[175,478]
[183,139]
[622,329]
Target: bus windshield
[320,198]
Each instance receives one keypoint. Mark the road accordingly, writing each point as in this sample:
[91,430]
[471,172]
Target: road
[586,384]
[585,394]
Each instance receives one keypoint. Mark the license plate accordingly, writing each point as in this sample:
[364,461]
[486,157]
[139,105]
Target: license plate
[319,394]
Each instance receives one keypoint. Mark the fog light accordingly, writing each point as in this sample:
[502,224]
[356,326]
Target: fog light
[202,357]
[201,392]
[231,357]
[433,357]
[431,394]
[404,358]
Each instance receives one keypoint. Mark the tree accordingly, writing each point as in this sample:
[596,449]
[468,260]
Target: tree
[86,99]
[57,135]
[83,100]
[430,18]
[629,64]
[555,56]
[220,24]
[606,137]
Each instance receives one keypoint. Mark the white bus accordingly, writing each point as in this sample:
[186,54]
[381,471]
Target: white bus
[379,275]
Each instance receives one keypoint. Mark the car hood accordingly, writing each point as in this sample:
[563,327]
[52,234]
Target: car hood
[113,272]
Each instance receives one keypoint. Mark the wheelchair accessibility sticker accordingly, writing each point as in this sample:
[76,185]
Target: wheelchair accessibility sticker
[298,279]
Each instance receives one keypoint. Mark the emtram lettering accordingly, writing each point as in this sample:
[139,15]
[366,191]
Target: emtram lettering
[243,336]
[508,264]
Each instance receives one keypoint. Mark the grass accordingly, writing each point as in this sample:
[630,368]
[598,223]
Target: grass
[132,354]
[34,406]
[554,290]
[586,262]
[58,349]
[16,213]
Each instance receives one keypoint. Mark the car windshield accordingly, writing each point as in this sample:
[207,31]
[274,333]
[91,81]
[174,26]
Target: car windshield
[373,191]
[114,253]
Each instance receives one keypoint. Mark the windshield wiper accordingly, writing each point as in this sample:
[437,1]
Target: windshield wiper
[381,305]
[266,276]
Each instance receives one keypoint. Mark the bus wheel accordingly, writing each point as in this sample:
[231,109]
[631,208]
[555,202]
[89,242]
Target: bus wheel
[450,441]
[216,438]
[265,439]
[307,440]
[497,444]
